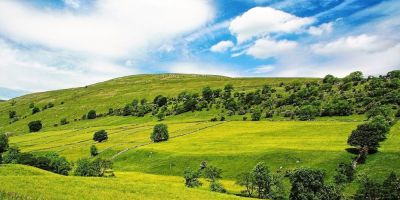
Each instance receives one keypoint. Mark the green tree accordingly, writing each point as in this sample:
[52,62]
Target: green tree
[191,178]
[307,112]
[256,115]
[3,143]
[11,156]
[261,180]
[369,189]
[212,173]
[309,184]
[207,94]
[64,121]
[344,173]
[93,151]
[246,179]
[160,100]
[160,133]
[35,126]
[12,114]
[91,114]
[35,110]
[100,136]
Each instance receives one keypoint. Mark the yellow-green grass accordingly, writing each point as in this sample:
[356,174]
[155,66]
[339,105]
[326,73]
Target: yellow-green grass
[115,94]
[31,183]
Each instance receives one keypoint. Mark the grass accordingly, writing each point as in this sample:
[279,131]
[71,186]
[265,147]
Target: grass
[126,185]
[148,170]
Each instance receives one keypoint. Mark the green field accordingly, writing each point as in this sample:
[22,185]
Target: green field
[146,170]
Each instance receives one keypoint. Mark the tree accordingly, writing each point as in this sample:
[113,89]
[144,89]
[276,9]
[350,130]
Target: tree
[385,111]
[391,187]
[256,115]
[216,186]
[92,114]
[369,189]
[228,88]
[160,116]
[344,173]
[160,100]
[191,178]
[12,114]
[3,143]
[93,151]
[64,121]
[261,180]
[329,79]
[96,168]
[35,110]
[307,112]
[207,94]
[160,133]
[100,136]
[35,126]
[246,179]
[11,156]
[309,184]
[212,173]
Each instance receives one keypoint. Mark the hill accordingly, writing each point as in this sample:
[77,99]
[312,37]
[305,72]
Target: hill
[231,142]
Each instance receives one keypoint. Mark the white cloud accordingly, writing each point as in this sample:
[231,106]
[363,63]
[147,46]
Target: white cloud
[73,3]
[201,68]
[113,29]
[324,28]
[222,46]
[261,21]
[352,44]
[266,48]
[263,69]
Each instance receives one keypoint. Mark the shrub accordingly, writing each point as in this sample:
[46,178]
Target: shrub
[93,151]
[217,187]
[344,173]
[91,114]
[12,114]
[214,119]
[307,112]
[212,173]
[11,156]
[64,121]
[255,116]
[160,101]
[35,126]
[160,133]
[207,93]
[96,168]
[160,116]
[191,178]
[3,143]
[244,118]
[35,110]
[100,136]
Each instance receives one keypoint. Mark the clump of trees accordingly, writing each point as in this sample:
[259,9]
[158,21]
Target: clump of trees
[211,173]
[98,167]
[160,133]
[48,161]
[100,136]
[35,126]
[370,189]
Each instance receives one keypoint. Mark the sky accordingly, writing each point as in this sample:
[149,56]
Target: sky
[56,44]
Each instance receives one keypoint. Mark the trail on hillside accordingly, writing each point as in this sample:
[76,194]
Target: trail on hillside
[176,136]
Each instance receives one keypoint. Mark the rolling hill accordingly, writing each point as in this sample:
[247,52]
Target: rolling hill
[154,170]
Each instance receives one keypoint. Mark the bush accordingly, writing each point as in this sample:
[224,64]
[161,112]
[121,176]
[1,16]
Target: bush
[64,121]
[93,151]
[91,114]
[35,126]
[344,173]
[191,178]
[3,143]
[11,156]
[160,133]
[160,101]
[214,119]
[96,168]
[255,116]
[212,173]
[12,114]
[217,187]
[100,136]
[35,110]
[307,112]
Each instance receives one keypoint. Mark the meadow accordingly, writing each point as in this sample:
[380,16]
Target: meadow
[147,170]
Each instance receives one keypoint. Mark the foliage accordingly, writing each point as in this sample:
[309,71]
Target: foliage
[307,112]
[35,126]
[3,143]
[217,187]
[91,114]
[160,133]
[93,151]
[35,110]
[309,184]
[100,136]
[97,167]
[64,121]
[255,116]
[388,190]
[212,173]
[12,114]
[344,173]
[191,178]
[160,100]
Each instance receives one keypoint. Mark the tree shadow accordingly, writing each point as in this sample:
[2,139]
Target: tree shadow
[356,151]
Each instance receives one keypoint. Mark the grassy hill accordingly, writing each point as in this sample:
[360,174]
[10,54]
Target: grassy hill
[153,170]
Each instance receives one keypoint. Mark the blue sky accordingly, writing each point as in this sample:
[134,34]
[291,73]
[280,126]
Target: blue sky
[54,44]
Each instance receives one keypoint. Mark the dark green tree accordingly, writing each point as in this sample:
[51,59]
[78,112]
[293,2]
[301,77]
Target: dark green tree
[100,136]
[91,114]
[93,151]
[160,133]
[262,180]
[35,126]
[191,178]
[207,94]
[35,110]
[12,114]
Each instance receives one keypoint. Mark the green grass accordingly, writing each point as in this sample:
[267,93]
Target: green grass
[25,182]
[148,170]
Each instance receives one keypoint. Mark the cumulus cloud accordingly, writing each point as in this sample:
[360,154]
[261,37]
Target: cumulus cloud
[352,44]
[222,46]
[324,28]
[59,48]
[261,21]
[111,29]
[266,48]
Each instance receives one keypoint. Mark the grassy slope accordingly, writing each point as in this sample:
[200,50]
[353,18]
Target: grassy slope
[31,183]
[234,146]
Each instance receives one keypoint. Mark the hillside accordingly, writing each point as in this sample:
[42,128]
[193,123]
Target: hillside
[235,144]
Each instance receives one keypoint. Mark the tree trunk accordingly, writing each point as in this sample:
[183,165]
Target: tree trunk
[362,151]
